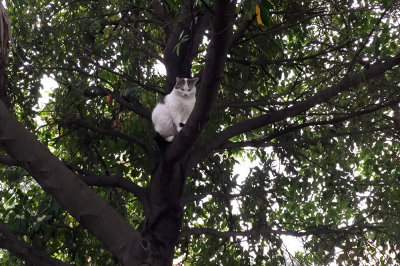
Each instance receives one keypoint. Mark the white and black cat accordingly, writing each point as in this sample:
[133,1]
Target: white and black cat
[172,112]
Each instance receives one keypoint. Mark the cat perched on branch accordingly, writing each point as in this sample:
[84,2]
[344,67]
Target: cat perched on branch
[172,112]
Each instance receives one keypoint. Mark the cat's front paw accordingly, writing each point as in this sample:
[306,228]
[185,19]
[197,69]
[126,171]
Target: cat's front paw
[169,139]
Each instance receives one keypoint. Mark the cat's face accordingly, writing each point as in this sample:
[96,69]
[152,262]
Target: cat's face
[185,87]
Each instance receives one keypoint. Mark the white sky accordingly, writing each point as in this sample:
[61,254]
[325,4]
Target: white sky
[49,84]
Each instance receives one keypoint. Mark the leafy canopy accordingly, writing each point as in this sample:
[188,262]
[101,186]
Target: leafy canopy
[327,175]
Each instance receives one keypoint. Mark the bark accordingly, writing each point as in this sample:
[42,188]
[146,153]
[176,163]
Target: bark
[8,160]
[116,181]
[164,220]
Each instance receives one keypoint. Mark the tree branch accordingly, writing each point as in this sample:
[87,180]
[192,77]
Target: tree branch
[265,62]
[136,107]
[251,124]
[238,145]
[258,103]
[116,181]
[95,180]
[212,74]
[93,212]
[262,142]
[238,34]
[161,14]
[19,248]
[321,230]
[183,42]
[109,132]
[260,193]
[92,179]
[8,160]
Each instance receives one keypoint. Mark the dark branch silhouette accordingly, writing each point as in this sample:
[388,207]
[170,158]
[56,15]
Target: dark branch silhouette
[32,255]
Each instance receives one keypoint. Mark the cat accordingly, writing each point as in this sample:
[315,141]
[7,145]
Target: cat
[172,112]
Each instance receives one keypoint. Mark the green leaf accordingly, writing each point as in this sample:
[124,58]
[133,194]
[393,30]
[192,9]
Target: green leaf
[249,7]
[265,7]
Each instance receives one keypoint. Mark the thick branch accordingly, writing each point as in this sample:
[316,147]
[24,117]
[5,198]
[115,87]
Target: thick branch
[93,212]
[8,160]
[92,179]
[238,145]
[265,62]
[213,71]
[115,181]
[251,124]
[9,241]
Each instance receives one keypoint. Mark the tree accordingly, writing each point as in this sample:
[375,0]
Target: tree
[309,91]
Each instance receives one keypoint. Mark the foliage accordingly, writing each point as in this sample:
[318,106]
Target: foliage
[327,176]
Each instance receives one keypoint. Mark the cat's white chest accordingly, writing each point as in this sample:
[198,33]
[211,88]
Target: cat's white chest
[180,105]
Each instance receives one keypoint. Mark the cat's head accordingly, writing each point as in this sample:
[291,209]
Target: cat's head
[185,87]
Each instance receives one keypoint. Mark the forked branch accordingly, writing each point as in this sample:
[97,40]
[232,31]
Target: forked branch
[212,74]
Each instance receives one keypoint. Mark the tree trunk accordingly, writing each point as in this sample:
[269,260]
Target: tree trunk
[164,219]
[164,215]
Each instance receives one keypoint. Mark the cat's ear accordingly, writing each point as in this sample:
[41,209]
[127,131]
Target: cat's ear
[193,81]
[179,83]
